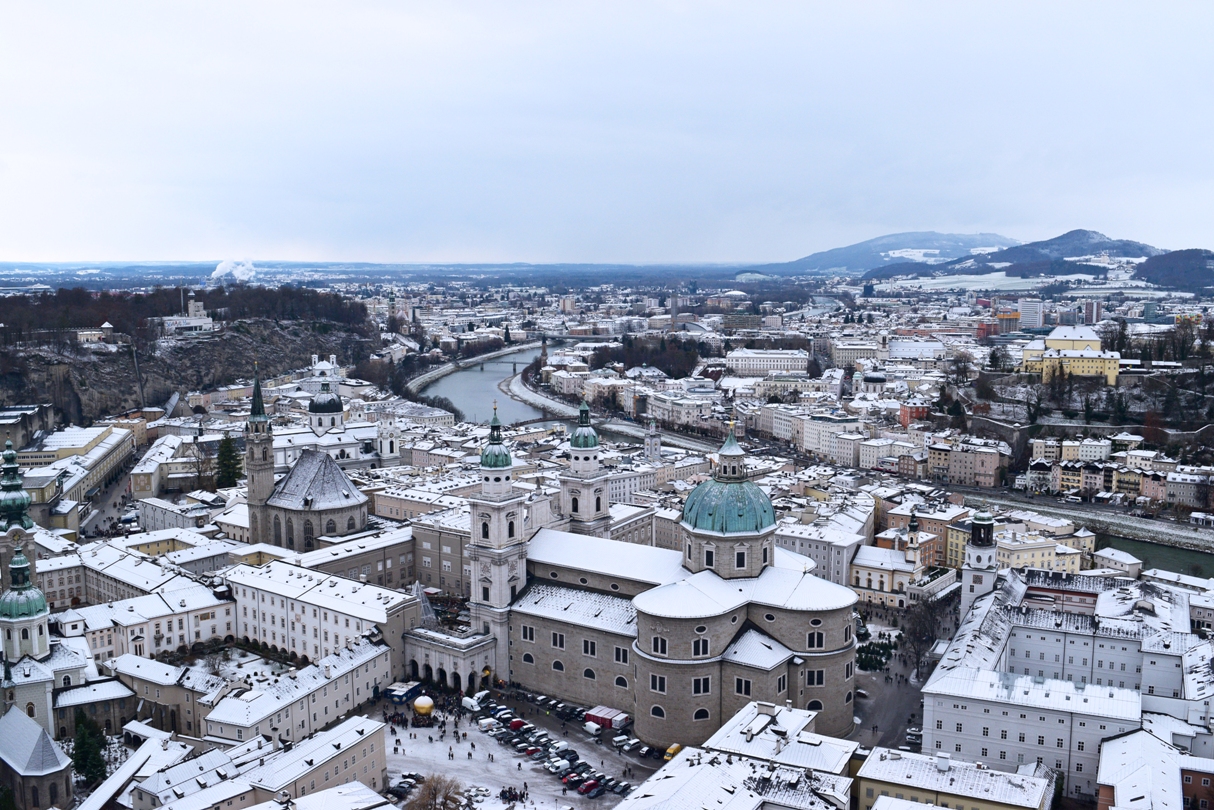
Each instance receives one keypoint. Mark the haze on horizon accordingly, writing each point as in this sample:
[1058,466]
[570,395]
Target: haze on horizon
[623,132]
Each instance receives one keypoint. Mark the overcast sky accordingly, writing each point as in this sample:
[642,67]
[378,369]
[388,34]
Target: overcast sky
[514,131]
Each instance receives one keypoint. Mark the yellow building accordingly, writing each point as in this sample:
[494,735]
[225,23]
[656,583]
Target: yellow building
[1074,350]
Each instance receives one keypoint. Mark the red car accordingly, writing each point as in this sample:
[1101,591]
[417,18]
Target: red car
[587,786]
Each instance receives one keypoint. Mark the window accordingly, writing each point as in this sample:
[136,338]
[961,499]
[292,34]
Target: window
[573,505]
[510,529]
[558,640]
[739,559]
[699,647]
[621,655]
[815,677]
[814,641]
[589,647]
[781,684]
[528,658]
[958,728]
[701,686]
[485,530]
[700,714]
[659,645]
[741,686]
[709,558]
[659,712]
[657,683]
[814,706]
[588,674]
[528,633]
[621,682]
[558,666]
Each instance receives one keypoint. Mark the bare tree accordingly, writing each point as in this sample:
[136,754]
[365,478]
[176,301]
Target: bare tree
[436,793]
[960,367]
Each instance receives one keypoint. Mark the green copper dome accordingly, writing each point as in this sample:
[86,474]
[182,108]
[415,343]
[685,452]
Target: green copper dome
[495,456]
[729,503]
[584,436]
[23,600]
[14,500]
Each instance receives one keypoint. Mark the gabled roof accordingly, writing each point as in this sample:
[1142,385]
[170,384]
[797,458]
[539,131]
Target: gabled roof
[315,483]
[27,748]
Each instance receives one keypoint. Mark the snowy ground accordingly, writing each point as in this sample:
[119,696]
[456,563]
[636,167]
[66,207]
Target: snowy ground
[504,770]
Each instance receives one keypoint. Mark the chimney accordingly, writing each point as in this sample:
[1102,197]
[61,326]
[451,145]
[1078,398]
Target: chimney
[327,671]
[942,762]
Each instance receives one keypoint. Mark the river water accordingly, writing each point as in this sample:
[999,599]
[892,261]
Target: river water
[1153,555]
[474,389]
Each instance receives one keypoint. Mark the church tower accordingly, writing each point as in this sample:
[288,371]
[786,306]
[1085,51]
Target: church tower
[258,464]
[981,566]
[498,547]
[387,437]
[728,523]
[584,486]
[653,443]
[24,615]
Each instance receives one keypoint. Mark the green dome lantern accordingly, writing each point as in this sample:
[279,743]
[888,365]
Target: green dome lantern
[22,600]
[495,456]
[729,503]
[14,500]
[584,435]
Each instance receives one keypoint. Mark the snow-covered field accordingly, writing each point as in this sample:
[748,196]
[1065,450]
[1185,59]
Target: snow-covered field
[508,769]
[986,281]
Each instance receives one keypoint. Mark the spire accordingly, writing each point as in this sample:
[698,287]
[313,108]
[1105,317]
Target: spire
[14,500]
[731,465]
[495,456]
[258,411]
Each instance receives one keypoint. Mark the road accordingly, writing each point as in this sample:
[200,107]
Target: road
[110,503]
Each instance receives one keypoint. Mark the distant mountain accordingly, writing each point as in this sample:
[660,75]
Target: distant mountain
[1191,270]
[918,246]
[1030,259]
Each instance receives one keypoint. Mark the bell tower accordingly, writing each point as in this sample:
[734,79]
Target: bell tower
[258,463]
[981,567]
[653,443]
[584,486]
[497,550]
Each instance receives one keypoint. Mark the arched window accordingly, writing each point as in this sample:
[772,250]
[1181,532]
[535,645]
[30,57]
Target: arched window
[814,706]
[350,525]
[598,504]
[847,698]
[701,714]
[331,527]
[25,636]
[67,680]
[29,709]
[573,506]
[658,711]
[621,682]
[813,641]
[528,658]
[391,447]
[277,531]
[265,454]
[54,790]
[510,529]
[332,421]
[34,793]
[485,530]
[253,525]
[558,666]
[307,534]
[290,533]
[588,674]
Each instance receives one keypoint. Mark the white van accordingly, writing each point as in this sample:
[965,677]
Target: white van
[559,746]
[487,724]
[470,704]
[593,729]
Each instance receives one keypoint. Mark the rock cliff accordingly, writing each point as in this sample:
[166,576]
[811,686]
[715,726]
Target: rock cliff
[84,384]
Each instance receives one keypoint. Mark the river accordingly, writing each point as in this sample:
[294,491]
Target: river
[1169,558]
[474,389]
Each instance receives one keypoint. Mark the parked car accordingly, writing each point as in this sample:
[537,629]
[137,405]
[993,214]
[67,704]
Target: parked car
[587,786]
[644,751]
[598,790]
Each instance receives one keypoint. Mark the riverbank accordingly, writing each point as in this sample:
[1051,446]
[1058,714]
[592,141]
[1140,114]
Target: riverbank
[1160,532]
[418,383]
[514,388]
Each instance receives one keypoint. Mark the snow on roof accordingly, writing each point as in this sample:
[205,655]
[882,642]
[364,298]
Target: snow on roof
[613,614]
[284,768]
[777,734]
[1056,695]
[1143,771]
[92,693]
[350,796]
[940,774]
[315,483]
[630,561]
[758,650]
[27,748]
[1117,555]
[877,557]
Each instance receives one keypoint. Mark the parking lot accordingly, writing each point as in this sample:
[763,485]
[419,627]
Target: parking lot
[479,761]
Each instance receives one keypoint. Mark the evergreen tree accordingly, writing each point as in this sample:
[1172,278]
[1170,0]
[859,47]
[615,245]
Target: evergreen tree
[7,802]
[86,753]
[229,463]
[506,335]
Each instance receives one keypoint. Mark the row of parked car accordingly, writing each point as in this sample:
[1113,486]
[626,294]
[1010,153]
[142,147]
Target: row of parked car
[408,782]
[557,757]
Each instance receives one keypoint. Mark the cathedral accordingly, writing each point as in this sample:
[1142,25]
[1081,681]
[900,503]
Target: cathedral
[316,498]
[679,639]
